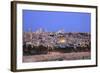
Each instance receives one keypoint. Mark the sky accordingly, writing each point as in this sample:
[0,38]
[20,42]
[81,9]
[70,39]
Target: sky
[53,21]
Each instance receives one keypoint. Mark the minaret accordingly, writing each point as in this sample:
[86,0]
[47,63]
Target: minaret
[40,30]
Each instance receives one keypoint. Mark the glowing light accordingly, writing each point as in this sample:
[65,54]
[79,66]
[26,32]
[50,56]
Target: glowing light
[62,40]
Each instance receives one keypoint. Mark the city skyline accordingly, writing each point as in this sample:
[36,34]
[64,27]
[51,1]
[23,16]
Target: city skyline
[52,21]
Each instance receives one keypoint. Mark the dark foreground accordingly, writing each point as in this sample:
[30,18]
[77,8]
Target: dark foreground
[57,56]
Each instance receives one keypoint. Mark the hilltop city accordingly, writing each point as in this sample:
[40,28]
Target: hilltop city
[69,41]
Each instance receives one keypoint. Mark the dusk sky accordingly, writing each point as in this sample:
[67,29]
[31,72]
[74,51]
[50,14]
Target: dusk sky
[52,21]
